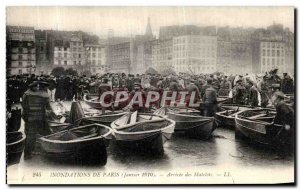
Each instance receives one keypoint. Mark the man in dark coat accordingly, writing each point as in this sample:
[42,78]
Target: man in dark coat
[253,94]
[287,85]
[35,103]
[210,100]
[239,93]
[284,116]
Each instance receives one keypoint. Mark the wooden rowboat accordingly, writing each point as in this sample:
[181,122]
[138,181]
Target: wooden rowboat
[105,119]
[190,121]
[257,126]
[93,101]
[15,143]
[144,132]
[226,117]
[84,144]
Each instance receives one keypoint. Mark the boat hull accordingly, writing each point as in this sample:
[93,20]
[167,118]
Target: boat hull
[196,127]
[268,135]
[85,151]
[225,121]
[15,147]
[150,143]
[89,152]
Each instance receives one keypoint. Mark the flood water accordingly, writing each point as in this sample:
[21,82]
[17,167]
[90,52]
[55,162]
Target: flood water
[221,151]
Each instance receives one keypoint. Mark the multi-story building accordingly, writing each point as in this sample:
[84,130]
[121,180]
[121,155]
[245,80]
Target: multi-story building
[162,54]
[224,56]
[20,51]
[168,32]
[119,56]
[77,51]
[43,65]
[96,59]
[69,53]
[62,54]
[269,55]
[195,54]
[241,57]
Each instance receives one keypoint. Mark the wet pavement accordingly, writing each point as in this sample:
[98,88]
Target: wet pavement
[221,152]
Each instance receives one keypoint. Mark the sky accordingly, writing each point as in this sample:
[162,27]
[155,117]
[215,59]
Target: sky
[126,21]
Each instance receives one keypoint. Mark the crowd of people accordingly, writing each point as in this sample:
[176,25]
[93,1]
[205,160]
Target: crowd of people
[246,90]
[36,92]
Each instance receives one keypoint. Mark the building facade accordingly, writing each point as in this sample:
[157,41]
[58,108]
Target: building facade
[224,56]
[96,59]
[119,57]
[195,54]
[269,55]
[21,54]
[69,53]
[162,54]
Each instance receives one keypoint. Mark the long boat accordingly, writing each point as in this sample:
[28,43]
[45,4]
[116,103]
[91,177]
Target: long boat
[93,101]
[83,144]
[190,121]
[143,132]
[257,126]
[226,117]
[15,144]
[105,118]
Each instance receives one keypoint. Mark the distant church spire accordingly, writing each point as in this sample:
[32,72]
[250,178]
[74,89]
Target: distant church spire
[148,29]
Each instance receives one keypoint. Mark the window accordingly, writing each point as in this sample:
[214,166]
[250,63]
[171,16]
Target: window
[79,55]
[42,48]
[94,55]
[20,71]
[20,64]
[59,48]
[65,48]
[20,56]
[65,55]
[74,62]
[268,52]
[29,64]
[20,50]
[278,53]
[59,54]
[79,62]
[65,62]
[273,61]
[94,62]
[59,62]
[264,52]
[273,53]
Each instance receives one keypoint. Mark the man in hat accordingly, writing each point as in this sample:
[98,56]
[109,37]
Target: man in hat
[239,92]
[284,116]
[225,87]
[263,90]
[287,84]
[210,99]
[35,103]
[52,87]
[174,86]
[253,94]
[193,88]
[130,83]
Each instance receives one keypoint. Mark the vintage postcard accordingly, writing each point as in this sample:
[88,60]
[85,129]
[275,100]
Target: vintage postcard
[150,95]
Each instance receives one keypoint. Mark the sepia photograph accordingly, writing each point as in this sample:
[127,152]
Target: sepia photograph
[150,95]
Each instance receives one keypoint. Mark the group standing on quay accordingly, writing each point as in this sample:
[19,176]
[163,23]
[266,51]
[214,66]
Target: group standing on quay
[36,92]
